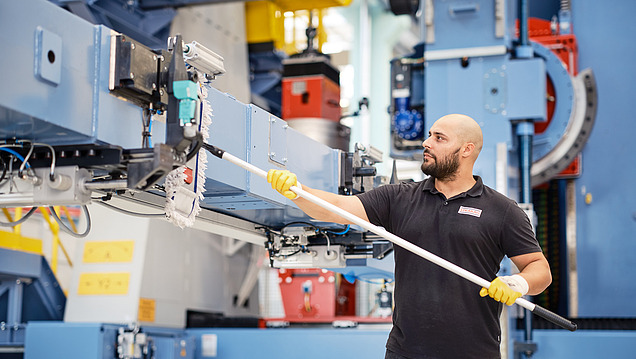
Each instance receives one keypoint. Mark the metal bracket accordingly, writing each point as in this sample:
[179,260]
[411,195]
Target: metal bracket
[132,344]
[145,168]
[277,150]
[495,91]
[48,56]
[525,348]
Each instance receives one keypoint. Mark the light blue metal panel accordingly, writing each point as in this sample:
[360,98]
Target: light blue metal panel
[606,227]
[250,133]
[171,343]
[584,344]
[314,163]
[291,343]
[451,88]
[48,56]
[76,109]
[526,89]
[25,91]
[57,340]
[475,20]
[229,131]
[269,149]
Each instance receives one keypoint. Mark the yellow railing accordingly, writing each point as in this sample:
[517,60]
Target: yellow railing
[15,240]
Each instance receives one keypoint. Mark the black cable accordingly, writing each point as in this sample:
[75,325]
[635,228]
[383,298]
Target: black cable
[4,169]
[298,222]
[354,114]
[319,230]
[290,254]
[197,146]
[19,221]
[137,214]
[65,228]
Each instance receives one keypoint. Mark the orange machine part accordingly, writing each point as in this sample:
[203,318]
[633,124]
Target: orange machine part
[310,96]
[566,49]
[318,303]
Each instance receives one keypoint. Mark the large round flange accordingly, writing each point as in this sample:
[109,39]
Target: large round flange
[572,121]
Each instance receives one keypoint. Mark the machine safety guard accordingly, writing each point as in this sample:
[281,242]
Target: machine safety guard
[538,310]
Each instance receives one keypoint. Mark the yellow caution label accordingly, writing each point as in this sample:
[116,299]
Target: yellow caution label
[103,283]
[108,251]
[147,310]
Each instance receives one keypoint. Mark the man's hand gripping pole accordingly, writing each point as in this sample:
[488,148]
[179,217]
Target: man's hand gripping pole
[538,310]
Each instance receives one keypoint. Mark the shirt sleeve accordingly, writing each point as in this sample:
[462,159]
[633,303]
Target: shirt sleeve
[517,234]
[377,204]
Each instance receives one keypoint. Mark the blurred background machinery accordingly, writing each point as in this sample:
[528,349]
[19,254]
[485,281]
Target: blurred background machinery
[103,100]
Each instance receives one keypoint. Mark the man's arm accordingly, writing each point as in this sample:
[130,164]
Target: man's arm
[282,181]
[534,278]
[351,204]
[535,269]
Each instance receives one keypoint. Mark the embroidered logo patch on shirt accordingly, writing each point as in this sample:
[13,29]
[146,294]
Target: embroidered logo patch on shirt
[469,211]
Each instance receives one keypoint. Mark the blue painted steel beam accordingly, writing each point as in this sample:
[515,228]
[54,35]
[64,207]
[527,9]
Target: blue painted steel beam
[584,344]
[303,343]
[19,264]
[47,340]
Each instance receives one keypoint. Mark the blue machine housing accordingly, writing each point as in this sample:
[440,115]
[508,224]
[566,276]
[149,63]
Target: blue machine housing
[79,109]
[266,141]
[407,106]
[29,291]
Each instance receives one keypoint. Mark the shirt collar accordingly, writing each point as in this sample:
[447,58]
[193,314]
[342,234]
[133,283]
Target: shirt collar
[475,191]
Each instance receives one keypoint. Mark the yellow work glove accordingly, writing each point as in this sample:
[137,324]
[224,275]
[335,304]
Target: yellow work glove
[506,289]
[282,181]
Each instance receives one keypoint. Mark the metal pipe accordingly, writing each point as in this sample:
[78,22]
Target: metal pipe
[364,38]
[525,132]
[523,22]
[114,184]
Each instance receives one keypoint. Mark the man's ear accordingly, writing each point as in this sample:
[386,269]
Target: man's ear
[468,149]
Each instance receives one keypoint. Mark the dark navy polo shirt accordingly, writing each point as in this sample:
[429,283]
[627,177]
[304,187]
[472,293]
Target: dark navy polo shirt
[437,313]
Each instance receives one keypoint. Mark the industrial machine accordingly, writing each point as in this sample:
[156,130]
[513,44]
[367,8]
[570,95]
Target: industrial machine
[77,150]
[519,78]
[112,121]
[94,115]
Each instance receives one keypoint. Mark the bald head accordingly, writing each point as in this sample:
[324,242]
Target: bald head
[465,128]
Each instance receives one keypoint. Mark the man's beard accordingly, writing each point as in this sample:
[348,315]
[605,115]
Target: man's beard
[442,169]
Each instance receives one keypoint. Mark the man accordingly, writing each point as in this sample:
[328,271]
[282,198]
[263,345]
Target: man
[453,215]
